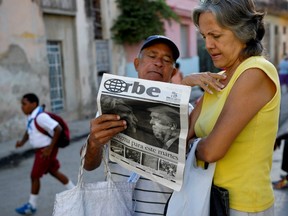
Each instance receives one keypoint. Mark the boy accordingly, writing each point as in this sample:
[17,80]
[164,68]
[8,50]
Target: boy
[45,160]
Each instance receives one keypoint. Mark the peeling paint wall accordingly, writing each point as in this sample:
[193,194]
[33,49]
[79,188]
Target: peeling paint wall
[23,66]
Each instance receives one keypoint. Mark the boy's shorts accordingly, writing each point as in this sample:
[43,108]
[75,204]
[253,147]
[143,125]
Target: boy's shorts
[43,165]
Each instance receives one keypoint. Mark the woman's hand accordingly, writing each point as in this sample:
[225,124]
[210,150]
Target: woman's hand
[205,80]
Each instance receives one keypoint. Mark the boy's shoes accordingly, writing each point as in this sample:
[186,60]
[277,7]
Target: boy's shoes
[26,209]
[281,184]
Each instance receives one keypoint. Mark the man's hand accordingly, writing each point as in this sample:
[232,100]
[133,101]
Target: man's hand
[205,80]
[102,129]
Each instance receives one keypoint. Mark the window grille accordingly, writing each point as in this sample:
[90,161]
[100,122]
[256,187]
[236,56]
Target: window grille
[55,75]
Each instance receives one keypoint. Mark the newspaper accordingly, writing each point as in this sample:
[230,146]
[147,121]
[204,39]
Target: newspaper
[154,143]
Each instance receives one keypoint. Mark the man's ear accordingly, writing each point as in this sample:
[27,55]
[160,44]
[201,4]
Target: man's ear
[173,72]
[136,63]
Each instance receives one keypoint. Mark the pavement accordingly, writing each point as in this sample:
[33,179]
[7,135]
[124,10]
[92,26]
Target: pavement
[9,156]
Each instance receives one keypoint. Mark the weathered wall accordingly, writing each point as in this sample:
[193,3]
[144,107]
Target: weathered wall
[23,66]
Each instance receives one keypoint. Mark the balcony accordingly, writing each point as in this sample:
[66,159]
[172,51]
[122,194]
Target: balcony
[274,7]
[62,7]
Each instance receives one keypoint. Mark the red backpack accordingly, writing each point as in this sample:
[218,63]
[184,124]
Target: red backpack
[64,138]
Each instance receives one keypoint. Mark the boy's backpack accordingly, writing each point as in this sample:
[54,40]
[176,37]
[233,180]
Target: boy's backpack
[64,138]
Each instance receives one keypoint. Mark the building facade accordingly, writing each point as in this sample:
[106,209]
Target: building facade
[46,48]
[59,49]
[183,33]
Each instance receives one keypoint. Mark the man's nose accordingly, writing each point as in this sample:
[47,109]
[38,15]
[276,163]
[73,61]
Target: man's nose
[158,61]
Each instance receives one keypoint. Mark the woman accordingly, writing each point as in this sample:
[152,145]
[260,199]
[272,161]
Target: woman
[238,125]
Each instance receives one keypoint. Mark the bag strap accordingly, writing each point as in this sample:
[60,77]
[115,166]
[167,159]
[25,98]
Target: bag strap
[81,169]
[39,128]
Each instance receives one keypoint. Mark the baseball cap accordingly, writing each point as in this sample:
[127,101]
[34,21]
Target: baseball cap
[153,39]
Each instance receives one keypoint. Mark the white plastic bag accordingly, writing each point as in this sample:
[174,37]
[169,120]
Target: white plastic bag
[194,196]
[106,198]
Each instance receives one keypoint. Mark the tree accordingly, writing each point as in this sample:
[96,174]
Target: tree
[139,19]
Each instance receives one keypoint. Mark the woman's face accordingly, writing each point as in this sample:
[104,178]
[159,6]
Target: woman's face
[222,45]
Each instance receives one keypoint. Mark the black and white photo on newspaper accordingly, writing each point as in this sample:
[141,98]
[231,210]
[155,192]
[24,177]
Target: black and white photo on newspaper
[154,143]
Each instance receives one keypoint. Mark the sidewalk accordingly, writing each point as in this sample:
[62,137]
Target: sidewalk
[10,156]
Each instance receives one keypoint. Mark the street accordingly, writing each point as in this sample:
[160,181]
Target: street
[15,182]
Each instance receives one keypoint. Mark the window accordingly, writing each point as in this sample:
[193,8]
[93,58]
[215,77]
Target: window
[93,10]
[55,75]
[97,20]
[184,34]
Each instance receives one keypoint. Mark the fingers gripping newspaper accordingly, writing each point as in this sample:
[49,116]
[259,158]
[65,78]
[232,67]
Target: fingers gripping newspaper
[154,143]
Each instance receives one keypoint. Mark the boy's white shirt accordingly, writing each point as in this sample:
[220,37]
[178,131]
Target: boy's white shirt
[36,138]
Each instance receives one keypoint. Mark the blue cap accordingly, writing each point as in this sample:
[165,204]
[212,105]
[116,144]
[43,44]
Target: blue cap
[153,39]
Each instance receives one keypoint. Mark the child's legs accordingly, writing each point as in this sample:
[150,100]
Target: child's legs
[54,166]
[35,186]
[36,172]
[60,176]
[41,166]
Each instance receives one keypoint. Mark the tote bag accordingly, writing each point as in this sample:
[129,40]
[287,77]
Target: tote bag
[105,198]
[194,195]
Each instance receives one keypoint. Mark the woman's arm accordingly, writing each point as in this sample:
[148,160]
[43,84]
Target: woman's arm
[253,90]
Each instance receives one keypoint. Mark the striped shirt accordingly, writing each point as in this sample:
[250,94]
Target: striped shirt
[149,197]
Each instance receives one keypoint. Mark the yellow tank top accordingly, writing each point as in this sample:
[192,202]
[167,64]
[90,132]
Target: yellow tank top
[245,169]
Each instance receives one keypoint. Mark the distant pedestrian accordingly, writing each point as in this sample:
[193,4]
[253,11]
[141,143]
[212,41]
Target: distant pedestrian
[45,160]
[283,182]
[178,76]
[283,72]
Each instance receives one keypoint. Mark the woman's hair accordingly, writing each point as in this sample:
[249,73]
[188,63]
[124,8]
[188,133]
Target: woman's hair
[239,16]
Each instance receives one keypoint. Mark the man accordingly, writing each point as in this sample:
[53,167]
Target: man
[165,123]
[156,61]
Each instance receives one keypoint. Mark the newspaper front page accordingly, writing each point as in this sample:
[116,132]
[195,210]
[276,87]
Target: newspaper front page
[154,143]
